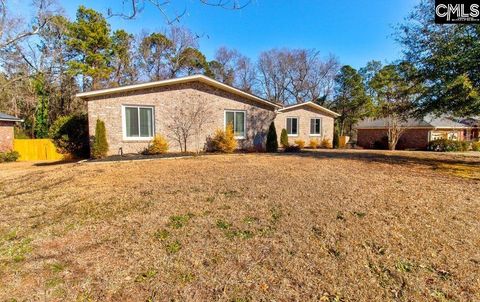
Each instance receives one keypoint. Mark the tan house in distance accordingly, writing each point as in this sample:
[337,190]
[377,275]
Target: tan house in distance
[134,114]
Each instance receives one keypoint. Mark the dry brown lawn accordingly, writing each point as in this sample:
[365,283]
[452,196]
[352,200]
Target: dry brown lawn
[323,226]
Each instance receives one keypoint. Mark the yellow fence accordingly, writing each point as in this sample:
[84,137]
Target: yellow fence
[36,149]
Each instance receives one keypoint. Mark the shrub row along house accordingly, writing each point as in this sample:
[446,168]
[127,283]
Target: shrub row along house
[417,133]
[188,110]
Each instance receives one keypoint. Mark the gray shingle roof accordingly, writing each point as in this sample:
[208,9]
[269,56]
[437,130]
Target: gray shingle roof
[426,122]
[6,117]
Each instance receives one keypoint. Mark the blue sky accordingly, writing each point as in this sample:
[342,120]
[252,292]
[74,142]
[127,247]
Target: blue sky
[356,31]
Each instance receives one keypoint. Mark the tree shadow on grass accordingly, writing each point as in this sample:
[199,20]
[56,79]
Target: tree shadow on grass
[55,163]
[392,157]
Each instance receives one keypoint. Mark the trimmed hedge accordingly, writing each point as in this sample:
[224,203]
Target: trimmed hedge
[100,144]
[447,145]
[284,138]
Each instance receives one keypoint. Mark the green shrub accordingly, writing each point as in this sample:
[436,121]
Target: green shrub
[70,135]
[224,141]
[284,138]
[100,144]
[159,145]
[10,156]
[476,146]
[272,141]
[447,145]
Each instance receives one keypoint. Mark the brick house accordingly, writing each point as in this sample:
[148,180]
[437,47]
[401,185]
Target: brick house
[7,123]
[372,133]
[134,114]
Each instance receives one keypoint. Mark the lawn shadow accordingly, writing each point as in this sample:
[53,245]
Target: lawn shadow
[392,157]
[55,163]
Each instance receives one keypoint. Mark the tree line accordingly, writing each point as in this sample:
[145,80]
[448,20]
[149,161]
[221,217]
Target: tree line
[45,61]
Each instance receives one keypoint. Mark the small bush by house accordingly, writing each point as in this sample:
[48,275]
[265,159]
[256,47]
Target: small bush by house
[476,146]
[314,143]
[300,143]
[326,144]
[9,156]
[224,140]
[159,145]
[284,138]
[70,135]
[272,141]
[100,144]
[447,145]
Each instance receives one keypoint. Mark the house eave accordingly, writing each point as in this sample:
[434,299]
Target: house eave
[196,78]
[313,105]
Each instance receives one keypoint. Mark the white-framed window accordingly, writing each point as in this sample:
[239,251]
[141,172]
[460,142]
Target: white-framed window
[315,126]
[292,126]
[138,122]
[238,119]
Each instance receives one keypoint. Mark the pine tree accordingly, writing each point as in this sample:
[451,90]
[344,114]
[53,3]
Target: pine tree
[90,44]
[100,144]
[284,138]
[272,142]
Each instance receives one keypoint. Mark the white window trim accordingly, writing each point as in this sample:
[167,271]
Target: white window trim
[244,121]
[321,125]
[124,123]
[298,125]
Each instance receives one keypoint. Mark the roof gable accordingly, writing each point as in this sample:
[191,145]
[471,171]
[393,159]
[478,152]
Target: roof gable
[311,105]
[195,78]
[430,122]
[9,118]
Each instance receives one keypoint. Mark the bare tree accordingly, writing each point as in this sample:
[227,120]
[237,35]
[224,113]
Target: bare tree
[182,39]
[296,76]
[189,121]
[13,29]
[131,8]
[245,74]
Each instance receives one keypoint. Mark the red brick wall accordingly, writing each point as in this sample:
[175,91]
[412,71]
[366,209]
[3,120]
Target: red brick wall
[410,139]
[6,136]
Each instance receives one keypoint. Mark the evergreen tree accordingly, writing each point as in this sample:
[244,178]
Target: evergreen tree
[90,44]
[447,59]
[272,141]
[351,100]
[41,113]
[284,138]
[100,144]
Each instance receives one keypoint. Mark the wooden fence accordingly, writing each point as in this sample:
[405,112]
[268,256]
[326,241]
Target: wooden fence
[36,149]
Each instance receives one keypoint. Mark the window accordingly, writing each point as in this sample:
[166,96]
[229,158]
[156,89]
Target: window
[315,126]
[237,119]
[138,122]
[292,126]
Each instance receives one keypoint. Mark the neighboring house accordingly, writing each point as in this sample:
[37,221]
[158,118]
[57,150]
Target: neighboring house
[372,133]
[305,122]
[7,122]
[134,114]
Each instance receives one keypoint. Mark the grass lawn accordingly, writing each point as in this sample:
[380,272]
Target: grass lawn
[321,226]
